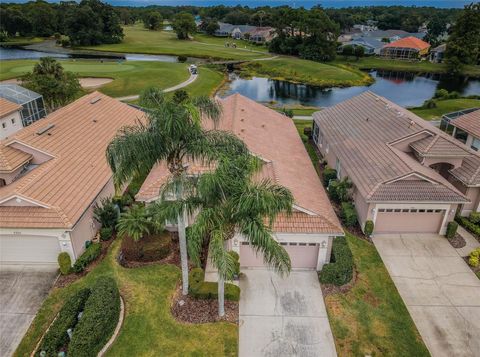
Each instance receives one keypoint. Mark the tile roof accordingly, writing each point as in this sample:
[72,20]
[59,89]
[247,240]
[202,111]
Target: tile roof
[8,107]
[469,172]
[65,185]
[364,132]
[409,42]
[469,122]
[436,145]
[11,159]
[274,138]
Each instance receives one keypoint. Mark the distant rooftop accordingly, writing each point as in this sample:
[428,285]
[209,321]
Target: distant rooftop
[17,94]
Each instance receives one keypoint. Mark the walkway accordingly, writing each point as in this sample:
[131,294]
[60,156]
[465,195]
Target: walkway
[440,291]
[283,317]
[190,80]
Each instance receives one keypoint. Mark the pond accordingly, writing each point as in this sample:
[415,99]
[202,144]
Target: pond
[405,89]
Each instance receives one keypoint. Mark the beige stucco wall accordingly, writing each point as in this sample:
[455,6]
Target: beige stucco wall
[364,209]
[473,194]
[9,177]
[10,128]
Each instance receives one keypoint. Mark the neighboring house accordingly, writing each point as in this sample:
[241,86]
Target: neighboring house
[389,35]
[406,48]
[262,35]
[464,127]
[10,118]
[308,233]
[251,33]
[407,175]
[366,28]
[371,46]
[32,103]
[52,173]
[438,53]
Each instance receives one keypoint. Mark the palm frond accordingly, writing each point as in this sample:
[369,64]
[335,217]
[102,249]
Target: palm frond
[219,256]
[152,97]
[208,108]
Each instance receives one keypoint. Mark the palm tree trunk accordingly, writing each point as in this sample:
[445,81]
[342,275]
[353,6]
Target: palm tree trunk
[221,296]
[183,252]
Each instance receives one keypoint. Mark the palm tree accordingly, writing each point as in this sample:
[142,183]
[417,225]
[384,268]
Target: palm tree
[48,66]
[171,133]
[229,202]
[134,223]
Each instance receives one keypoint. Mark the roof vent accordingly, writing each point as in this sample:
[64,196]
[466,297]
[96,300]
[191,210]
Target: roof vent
[412,124]
[45,129]
[94,120]
[95,100]
[366,119]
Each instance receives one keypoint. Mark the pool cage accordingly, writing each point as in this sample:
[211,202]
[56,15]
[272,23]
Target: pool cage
[400,53]
[32,103]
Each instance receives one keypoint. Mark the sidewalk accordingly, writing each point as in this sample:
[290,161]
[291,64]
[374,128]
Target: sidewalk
[471,241]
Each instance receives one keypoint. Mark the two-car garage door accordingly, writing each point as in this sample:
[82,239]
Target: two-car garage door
[29,249]
[397,220]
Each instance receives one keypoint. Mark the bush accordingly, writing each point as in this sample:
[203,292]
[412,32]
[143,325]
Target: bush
[106,213]
[56,336]
[201,289]
[236,257]
[308,132]
[328,175]
[287,112]
[441,93]
[340,270]
[333,191]
[106,233]
[430,104]
[453,95]
[149,248]
[475,218]
[99,319]
[368,229]
[180,96]
[182,59]
[468,225]
[64,263]
[340,190]
[348,214]
[451,229]
[88,256]
[474,258]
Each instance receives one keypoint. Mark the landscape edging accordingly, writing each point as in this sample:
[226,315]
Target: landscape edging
[117,329]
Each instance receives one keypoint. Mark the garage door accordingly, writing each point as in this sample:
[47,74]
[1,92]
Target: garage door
[302,255]
[409,220]
[28,249]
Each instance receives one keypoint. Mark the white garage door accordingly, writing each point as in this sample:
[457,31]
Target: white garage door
[302,255]
[28,249]
[409,220]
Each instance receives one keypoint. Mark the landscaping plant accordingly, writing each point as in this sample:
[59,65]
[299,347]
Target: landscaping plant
[88,256]
[340,270]
[64,263]
[369,226]
[348,214]
[134,223]
[474,258]
[106,213]
[328,175]
[451,229]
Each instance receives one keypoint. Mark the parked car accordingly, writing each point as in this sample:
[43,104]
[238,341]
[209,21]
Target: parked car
[193,69]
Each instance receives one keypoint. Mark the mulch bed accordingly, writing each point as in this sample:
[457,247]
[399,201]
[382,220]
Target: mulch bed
[199,311]
[457,241]
[329,289]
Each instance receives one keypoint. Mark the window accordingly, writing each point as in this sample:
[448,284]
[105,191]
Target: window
[316,133]
[4,125]
[302,244]
[476,144]
[13,120]
[338,167]
[326,148]
[461,135]
[405,210]
[381,210]
[283,243]
[245,243]
[397,210]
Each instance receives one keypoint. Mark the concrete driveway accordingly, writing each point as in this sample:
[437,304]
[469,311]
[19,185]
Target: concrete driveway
[440,291]
[23,289]
[283,317]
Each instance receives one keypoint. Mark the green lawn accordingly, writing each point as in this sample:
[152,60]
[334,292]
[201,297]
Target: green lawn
[21,41]
[444,107]
[129,77]
[396,65]
[207,82]
[140,40]
[309,72]
[302,124]
[148,328]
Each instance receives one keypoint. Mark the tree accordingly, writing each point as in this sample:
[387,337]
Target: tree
[230,202]
[237,17]
[359,51]
[172,134]
[57,86]
[180,96]
[134,223]
[153,21]
[184,24]
[14,21]
[436,27]
[209,26]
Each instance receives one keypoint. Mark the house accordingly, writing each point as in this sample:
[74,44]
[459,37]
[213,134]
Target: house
[438,53]
[406,48]
[32,102]
[52,173]
[308,233]
[389,35]
[407,175]
[262,35]
[464,127]
[10,118]
[235,31]
[371,46]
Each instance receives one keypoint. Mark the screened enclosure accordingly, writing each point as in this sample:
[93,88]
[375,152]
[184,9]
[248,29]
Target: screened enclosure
[32,102]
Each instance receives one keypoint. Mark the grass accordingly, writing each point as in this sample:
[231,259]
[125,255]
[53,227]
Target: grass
[297,109]
[21,41]
[140,40]
[444,107]
[129,77]
[149,328]
[309,72]
[397,65]
[302,124]
[207,82]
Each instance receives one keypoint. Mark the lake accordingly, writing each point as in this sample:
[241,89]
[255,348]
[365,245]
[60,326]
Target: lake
[405,89]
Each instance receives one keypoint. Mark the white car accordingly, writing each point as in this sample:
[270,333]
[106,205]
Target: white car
[193,69]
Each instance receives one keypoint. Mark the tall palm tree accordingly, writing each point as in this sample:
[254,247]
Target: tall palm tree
[48,66]
[172,133]
[229,201]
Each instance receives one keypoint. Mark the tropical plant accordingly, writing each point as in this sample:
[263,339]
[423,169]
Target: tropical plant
[229,202]
[134,223]
[171,133]
[106,213]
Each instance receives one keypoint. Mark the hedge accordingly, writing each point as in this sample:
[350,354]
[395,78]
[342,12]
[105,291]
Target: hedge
[472,227]
[88,256]
[201,289]
[451,229]
[369,227]
[340,271]
[329,174]
[64,263]
[99,319]
[475,218]
[348,214]
[57,337]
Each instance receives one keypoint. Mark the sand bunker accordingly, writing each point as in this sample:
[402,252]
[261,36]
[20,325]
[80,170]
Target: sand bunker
[87,82]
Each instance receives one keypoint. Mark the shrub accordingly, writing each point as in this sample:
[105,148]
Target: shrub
[333,191]
[182,59]
[369,226]
[235,257]
[149,248]
[475,218]
[88,256]
[287,112]
[451,229]
[453,95]
[328,175]
[308,132]
[180,96]
[430,104]
[56,336]
[106,233]
[64,263]
[106,213]
[474,258]
[99,319]
[340,270]
[467,224]
[348,214]
[441,93]
[201,289]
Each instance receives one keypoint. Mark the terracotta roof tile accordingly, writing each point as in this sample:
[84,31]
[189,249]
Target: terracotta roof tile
[409,42]
[11,159]
[469,122]
[436,145]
